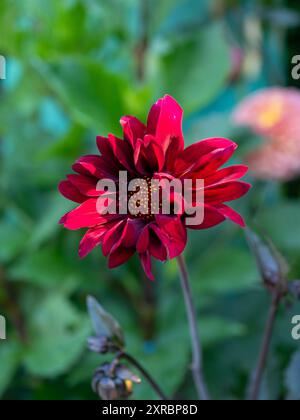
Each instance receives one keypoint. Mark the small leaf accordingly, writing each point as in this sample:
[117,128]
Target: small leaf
[270,262]
[103,322]
[57,336]
[10,353]
[184,68]
[279,219]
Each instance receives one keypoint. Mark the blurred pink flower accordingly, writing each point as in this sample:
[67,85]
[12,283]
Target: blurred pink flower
[276,161]
[274,114]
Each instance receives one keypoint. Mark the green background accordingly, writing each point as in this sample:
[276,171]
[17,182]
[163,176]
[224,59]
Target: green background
[74,67]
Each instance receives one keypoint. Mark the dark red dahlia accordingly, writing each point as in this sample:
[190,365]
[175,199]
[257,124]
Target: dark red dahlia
[152,151]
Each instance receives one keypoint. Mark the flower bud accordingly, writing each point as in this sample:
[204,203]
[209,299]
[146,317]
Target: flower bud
[113,381]
[101,345]
[294,289]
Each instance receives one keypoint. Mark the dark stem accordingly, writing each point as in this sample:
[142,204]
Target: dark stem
[197,364]
[146,375]
[259,371]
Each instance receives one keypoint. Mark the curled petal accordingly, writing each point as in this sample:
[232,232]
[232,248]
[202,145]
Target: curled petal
[227,191]
[133,129]
[172,233]
[89,165]
[70,192]
[119,256]
[96,166]
[143,241]
[147,265]
[120,250]
[212,217]
[230,173]
[91,239]
[148,156]
[131,233]
[158,244]
[205,156]
[86,185]
[116,152]
[112,237]
[85,216]
[231,214]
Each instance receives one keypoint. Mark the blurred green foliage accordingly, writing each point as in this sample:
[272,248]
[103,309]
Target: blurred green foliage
[74,67]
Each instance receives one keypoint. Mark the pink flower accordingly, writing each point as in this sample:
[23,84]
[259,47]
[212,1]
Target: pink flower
[271,112]
[274,114]
[155,150]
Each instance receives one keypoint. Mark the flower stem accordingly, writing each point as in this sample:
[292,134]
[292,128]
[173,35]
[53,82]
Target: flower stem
[146,375]
[197,368]
[259,371]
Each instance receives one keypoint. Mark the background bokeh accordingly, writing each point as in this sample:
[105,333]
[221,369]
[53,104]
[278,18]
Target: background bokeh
[74,67]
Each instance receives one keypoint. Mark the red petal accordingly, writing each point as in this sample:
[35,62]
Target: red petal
[212,217]
[143,241]
[85,184]
[227,191]
[174,234]
[165,122]
[85,215]
[116,151]
[206,155]
[148,156]
[91,239]
[231,214]
[133,129]
[119,256]
[89,165]
[96,166]
[70,192]
[226,174]
[157,244]
[146,264]
[132,232]
[112,237]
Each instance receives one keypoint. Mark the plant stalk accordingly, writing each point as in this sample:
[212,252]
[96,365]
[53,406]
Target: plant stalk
[265,348]
[197,363]
[146,375]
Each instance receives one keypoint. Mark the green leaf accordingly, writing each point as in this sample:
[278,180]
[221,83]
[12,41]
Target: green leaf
[103,322]
[238,271]
[46,268]
[48,225]
[168,356]
[279,222]
[173,18]
[195,71]
[215,124]
[58,334]
[215,329]
[9,359]
[93,95]
[12,240]
[292,378]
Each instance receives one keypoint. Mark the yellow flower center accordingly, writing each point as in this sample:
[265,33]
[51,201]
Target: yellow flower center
[272,114]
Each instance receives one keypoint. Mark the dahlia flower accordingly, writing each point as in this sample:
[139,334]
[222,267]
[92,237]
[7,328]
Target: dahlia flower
[154,150]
